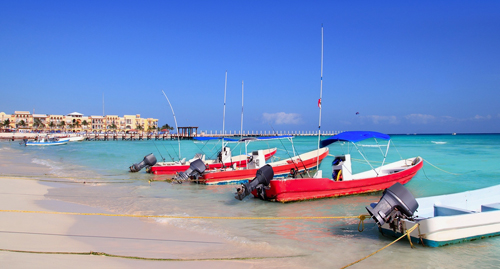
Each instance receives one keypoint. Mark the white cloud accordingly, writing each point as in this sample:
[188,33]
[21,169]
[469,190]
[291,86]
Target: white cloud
[376,119]
[420,118]
[282,118]
[478,117]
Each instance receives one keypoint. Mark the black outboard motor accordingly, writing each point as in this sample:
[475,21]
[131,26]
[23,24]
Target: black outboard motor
[396,202]
[195,170]
[149,160]
[260,183]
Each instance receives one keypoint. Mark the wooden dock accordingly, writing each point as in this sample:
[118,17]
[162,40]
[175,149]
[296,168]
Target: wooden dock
[157,136]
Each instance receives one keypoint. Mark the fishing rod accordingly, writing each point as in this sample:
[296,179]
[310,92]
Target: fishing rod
[291,158]
[178,141]
[175,152]
[173,160]
[158,150]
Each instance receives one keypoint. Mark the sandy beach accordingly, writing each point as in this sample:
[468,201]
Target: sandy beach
[23,188]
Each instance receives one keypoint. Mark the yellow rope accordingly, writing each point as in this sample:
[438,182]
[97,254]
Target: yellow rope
[90,253]
[37,178]
[361,217]
[440,168]
[406,233]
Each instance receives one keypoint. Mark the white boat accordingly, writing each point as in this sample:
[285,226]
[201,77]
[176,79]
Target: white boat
[46,142]
[76,138]
[446,219]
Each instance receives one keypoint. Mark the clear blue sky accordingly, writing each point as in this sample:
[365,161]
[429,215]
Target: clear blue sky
[405,66]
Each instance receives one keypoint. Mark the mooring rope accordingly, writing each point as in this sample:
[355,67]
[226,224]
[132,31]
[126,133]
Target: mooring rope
[407,233]
[440,168]
[93,253]
[38,178]
[360,217]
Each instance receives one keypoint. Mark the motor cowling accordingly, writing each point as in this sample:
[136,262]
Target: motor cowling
[260,183]
[395,201]
[149,160]
[195,170]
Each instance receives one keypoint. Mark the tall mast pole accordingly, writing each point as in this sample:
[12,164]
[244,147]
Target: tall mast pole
[319,102]
[242,94]
[224,114]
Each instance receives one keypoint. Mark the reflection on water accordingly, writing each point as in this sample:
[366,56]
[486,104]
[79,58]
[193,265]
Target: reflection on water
[324,242]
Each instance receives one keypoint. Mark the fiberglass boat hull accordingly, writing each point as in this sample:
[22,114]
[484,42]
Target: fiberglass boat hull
[298,189]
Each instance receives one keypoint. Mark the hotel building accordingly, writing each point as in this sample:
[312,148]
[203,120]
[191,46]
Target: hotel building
[76,122]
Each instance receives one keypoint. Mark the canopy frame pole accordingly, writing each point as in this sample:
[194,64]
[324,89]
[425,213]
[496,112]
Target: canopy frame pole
[365,158]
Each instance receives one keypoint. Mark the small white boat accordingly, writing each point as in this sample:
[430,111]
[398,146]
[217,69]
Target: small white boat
[442,220]
[46,142]
[76,138]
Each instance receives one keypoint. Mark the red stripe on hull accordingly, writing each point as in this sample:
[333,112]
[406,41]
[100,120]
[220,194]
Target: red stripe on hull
[249,174]
[316,188]
[173,169]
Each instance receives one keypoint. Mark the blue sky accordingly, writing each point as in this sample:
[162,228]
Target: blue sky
[406,67]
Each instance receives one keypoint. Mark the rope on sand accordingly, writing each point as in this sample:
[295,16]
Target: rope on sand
[407,233]
[93,253]
[360,217]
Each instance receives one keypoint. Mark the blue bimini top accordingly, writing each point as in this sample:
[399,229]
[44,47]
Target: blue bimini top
[353,136]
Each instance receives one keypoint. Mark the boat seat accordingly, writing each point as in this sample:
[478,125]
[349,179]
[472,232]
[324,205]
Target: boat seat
[490,207]
[442,211]
[391,171]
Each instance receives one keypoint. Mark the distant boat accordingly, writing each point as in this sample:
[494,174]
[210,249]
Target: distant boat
[443,219]
[46,142]
[76,138]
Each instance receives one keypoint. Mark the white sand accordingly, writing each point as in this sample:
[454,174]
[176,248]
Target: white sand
[113,235]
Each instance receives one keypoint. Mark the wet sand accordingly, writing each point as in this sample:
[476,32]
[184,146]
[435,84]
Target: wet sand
[138,237]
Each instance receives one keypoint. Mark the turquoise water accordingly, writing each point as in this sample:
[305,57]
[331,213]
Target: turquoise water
[466,162]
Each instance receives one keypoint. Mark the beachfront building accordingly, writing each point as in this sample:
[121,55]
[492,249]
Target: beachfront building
[40,121]
[75,122]
[21,120]
[112,122]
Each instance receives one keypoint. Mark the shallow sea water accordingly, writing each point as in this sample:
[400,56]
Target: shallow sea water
[473,160]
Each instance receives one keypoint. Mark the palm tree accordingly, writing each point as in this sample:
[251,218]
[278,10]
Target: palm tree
[6,122]
[21,123]
[85,123]
[62,124]
[166,126]
[37,123]
[51,125]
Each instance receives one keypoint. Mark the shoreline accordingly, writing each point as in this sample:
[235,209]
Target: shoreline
[113,235]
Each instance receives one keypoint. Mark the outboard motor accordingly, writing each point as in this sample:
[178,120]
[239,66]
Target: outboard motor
[396,202]
[195,170]
[260,183]
[149,160]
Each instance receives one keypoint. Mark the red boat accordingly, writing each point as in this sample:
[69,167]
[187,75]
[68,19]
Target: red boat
[224,160]
[283,168]
[343,182]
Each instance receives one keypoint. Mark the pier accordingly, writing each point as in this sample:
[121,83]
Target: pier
[162,136]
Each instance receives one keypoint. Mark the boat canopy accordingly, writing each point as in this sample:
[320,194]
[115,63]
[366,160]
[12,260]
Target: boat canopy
[353,136]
